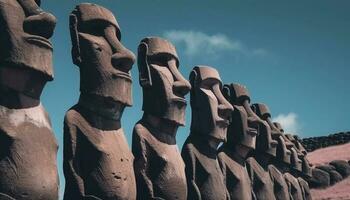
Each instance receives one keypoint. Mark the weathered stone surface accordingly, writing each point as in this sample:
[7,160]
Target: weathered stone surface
[296,192]
[281,189]
[241,136]
[296,163]
[319,178]
[210,114]
[261,180]
[283,154]
[333,174]
[97,161]
[341,166]
[25,38]
[305,189]
[159,168]
[28,148]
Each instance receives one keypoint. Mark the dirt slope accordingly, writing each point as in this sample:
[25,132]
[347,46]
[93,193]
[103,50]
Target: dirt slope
[341,190]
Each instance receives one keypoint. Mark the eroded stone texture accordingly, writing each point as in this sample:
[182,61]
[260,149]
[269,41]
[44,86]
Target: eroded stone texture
[210,114]
[342,166]
[159,168]
[319,178]
[97,161]
[294,187]
[305,189]
[28,148]
[333,174]
[280,185]
[241,136]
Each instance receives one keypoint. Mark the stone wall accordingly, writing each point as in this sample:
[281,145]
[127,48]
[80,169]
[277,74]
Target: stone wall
[313,143]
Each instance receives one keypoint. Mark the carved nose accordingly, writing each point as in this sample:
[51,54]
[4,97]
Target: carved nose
[181,88]
[274,143]
[288,152]
[123,59]
[253,122]
[225,110]
[42,24]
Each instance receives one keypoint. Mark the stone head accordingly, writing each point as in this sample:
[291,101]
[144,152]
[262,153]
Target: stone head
[306,168]
[264,141]
[243,127]
[97,50]
[279,126]
[25,30]
[210,110]
[164,87]
[298,145]
[263,111]
[296,163]
[283,154]
[301,152]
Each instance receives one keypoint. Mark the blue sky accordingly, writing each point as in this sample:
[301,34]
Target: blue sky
[293,56]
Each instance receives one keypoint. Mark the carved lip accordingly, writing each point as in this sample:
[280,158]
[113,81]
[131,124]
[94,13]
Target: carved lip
[252,131]
[179,100]
[223,122]
[41,41]
[123,75]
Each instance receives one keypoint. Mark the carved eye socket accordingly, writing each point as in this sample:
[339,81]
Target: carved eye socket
[160,59]
[96,28]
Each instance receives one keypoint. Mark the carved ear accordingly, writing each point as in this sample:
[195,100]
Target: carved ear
[254,108]
[193,81]
[73,26]
[227,92]
[144,71]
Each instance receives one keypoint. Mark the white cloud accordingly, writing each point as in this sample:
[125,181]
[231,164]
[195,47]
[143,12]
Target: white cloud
[197,42]
[289,122]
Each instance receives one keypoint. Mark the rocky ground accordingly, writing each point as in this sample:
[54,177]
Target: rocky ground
[341,190]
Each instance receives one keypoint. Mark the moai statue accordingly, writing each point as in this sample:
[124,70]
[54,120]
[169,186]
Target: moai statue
[259,165]
[263,111]
[241,136]
[28,148]
[97,161]
[286,168]
[282,153]
[210,118]
[159,168]
[298,144]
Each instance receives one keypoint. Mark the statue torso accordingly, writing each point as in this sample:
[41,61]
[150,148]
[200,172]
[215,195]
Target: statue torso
[305,189]
[28,151]
[294,186]
[262,183]
[208,175]
[103,160]
[238,182]
[280,185]
[166,167]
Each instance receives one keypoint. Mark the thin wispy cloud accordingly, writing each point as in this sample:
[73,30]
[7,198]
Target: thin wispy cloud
[199,43]
[289,122]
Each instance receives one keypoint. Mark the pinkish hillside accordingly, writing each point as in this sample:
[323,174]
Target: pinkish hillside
[325,155]
[341,190]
